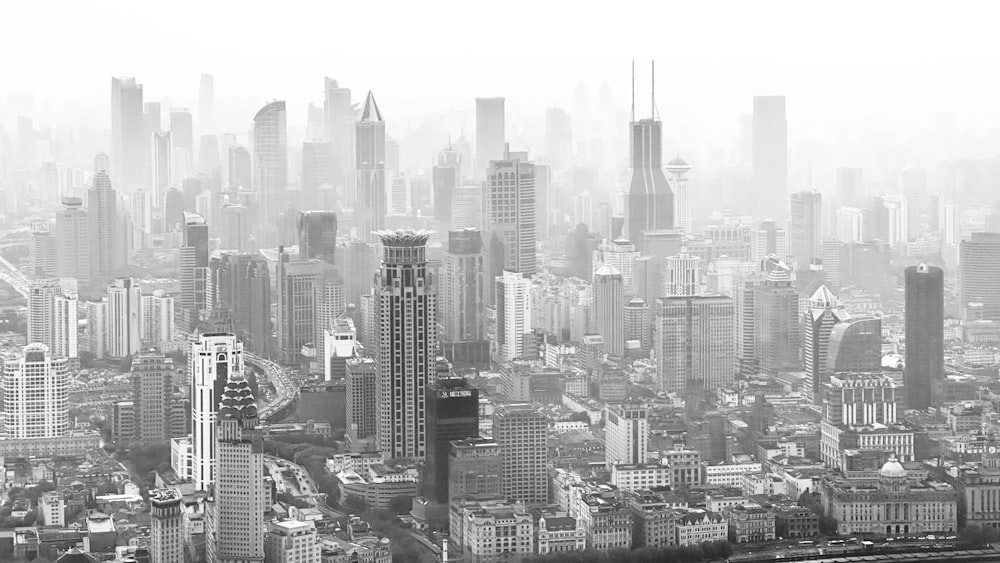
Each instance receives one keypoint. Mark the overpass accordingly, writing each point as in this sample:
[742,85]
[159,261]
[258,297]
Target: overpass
[14,277]
[286,391]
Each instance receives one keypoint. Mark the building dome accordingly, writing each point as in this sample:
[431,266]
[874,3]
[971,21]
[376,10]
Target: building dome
[892,469]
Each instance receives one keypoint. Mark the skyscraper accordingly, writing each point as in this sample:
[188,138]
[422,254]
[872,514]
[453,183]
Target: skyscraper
[195,277]
[767,240]
[475,467]
[677,169]
[162,147]
[297,283]
[73,250]
[240,168]
[129,144]
[637,323]
[804,227]
[682,275]
[152,387]
[243,286]
[270,154]
[770,158]
[52,318]
[463,288]
[407,342]
[558,138]
[609,308]
[206,102]
[158,314]
[776,323]
[446,176]
[626,435]
[214,360]
[621,255]
[855,346]
[513,310]
[694,341]
[235,518]
[924,333]
[467,207]
[361,403]
[105,246]
[490,133]
[521,431]
[36,394]
[452,414]
[979,259]
[817,323]
[124,318]
[42,250]
[370,163]
[318,235]
[329,302]
[339,117]
[649,201]
[510,217]
[166,526]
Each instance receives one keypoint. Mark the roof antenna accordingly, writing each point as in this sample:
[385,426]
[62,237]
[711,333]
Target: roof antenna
[633,89]
[652,108]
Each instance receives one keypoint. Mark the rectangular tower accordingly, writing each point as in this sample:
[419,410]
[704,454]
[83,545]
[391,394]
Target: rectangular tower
[214,359]
[521,431]
[452,414]
[924,332]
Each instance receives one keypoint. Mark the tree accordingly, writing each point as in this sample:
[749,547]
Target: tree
[977,536]
[401,504]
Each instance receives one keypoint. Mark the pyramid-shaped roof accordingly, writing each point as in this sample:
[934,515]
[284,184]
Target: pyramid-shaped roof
[371,111]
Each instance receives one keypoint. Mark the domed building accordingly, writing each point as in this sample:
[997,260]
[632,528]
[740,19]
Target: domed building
[894,504]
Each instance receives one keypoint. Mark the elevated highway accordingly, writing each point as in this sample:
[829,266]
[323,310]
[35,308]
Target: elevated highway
[286,391]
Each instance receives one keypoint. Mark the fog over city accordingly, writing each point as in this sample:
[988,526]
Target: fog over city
[515,282]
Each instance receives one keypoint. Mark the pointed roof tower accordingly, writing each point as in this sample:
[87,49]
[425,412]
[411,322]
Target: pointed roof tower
[370,111]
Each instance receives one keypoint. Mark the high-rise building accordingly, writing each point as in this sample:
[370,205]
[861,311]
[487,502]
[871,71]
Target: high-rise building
[270,158]
[695,341]
[361,403]
[513,311]
[768,240]
[776,323]
[129,144]
[291,541]
[340,344]
[157,318]
[243,286]
[105,246]
[924,332]
[452,414]
[166,526]
[152,387]
[609,309]
[124,318]
[52,318]
[318,235]
[638,327]
[42,250]
[446,176]
[510,217]
[467,207]
[682,275]
[649,200]
[235,517]
[330,304]
[491,133]
[677,169]
[195,276]
[73,250]
[162,163]
[182,133]
[626,435]
[214,360]
[297,284]
[770,158]
[621,255]
[463,288]
[406,296]
[558,138]
[475,467]
[370,162]
[521,431]
[818,321]
[855,346]
[317,170]
[860,399]
[951,224]
[240,167]
[979,259]
[805,227]
[339,116]
[850,189]
[96,341]
[35,394]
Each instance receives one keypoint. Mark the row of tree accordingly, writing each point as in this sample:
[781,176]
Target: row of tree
[708,551]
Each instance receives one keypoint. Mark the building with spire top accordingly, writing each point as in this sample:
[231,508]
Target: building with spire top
[371,207]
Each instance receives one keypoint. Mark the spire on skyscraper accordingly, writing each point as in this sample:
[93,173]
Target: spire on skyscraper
[371,111]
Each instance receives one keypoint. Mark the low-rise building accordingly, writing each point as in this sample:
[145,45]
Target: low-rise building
[379,485]
[653,520]
[642,476]
[750,524]
[729,474]
[795,522]
[699,526]
[606,520]
[763,484]
[556,534]
[497,533]
[291,541]
[686,467]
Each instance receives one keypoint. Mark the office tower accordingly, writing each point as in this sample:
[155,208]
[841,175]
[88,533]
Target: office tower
[804,227]
[235,517]
[398,196]
[73,250]
[152,387]
[897,220]
[649,202]
[609,308]
[850,225]
[214,360]
[543,183]
[182,134]
[270,158]
[768,240]
[513,314]
[129,144]
[166,526]
[637,324]
[475,467]
[452,414]
[855,346]
[318,235]
[340,343]
[446,177]
[626,435]
[329,304]
[677,170]
[195,277]
[860,399]
[979,259]
[35,394]
[52,318]
[370,163]
[42,250]
[297,282]
[621,255]
[467,207]
[694,341]
[490,133]
[339,115]
[510,217]
[291,541]
[124,318]
[240,168]
[360,257]
[244,287]
[682,275]
[105,246]
[770,158]
[463,288]
[521,431]
[818,321]
[951,224]
[96,339]
[362,403]
[162,163]
[924,332]
[776,322]
[558,138]
[206,102]
[158,315]
[317,169]
[407,342]
[235,227]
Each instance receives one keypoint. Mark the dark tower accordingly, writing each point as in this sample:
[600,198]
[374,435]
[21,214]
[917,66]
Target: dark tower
[924,327]
[317,235]
[452,414]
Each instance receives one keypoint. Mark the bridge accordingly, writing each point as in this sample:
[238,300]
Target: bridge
[14,277]
[286,391]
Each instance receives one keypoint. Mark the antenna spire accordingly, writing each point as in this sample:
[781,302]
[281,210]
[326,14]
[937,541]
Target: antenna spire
[652,104]
[633,89]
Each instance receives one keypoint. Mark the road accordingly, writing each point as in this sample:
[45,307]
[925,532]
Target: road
[286,390]
[14,277]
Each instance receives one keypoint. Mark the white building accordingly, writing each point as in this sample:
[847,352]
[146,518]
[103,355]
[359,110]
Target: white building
[291,541]
[642,476]
[513,309]
[695,340]
[52,509]
[699,526]
[682,275]
[36,394]
[850,225]
[157,318]
[609,307]
[729,474]
[124,318]
[214,359]
[52,317]
[626,435]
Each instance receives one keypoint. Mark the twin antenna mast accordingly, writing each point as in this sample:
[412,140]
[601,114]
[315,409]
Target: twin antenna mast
[652,108]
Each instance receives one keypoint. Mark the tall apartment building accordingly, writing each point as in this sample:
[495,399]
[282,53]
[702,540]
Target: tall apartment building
[158,315]
[36,394]
[73,251]
[214,360]
[106,249]
[521,431]
[695,341]
[626,435]
[152,388]
[609,306]
[52,318]
[513,310]
[124,327]
[464,287]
